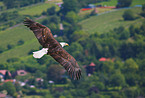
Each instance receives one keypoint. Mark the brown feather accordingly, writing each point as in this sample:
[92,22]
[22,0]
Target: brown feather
[46,39]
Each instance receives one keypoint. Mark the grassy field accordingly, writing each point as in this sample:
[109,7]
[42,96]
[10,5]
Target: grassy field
[108,21]
[114,3]
[1,4]
[110,3]
[36,9]
[11,37]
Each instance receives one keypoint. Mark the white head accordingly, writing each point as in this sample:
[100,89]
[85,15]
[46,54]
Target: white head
[64,44]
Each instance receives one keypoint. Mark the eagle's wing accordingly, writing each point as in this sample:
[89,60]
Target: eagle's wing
[46,39]
[40,31]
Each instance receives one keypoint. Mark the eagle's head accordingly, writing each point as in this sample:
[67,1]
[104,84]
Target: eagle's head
[64,44]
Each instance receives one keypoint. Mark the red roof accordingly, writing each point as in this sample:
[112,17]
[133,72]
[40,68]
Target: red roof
[4,72]
[2,95]
[102,59]
[106,59]
[8,80]
[85,9]
[92,64]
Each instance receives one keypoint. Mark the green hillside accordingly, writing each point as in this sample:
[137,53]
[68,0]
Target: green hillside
[114,2]
[101,23]
[109,21]
[11,37]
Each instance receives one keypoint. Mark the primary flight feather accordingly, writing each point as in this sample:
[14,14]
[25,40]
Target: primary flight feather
[53,48]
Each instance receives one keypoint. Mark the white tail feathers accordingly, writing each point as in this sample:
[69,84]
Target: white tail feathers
[40,53]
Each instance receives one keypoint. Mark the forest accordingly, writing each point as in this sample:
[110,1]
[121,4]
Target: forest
[117,35]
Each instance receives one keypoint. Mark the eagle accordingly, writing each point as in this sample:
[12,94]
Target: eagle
[53,48]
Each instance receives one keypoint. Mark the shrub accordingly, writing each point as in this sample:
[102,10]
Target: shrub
[124,3]
[20,42]
[10,46]
[1,50]
[128,15]
[12,60]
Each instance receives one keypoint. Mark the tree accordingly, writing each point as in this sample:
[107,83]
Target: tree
[9,3]
[12,59]
[54,19]
[70,5]
[9,46]
[20,42]
[78,35]
[54,73]
[124,3]
[1,50]
[128,15]
[130,65]
[132,30]
[51,11]
[10,88]
[7,76]
[117,80]
[143,7]
[71,17]
[124,35]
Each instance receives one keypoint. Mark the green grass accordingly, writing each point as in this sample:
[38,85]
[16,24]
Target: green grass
[1,4]
[36,9]
[138,2]
[114,2]
[108,21]
[108,3]
[11,37]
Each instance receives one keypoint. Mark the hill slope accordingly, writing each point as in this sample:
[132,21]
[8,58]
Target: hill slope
[108,21]
[101,23]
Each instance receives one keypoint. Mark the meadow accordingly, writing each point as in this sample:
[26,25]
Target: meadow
[114,3]
[108,21]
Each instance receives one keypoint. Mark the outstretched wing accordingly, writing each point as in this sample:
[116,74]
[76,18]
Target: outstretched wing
[46,39]
[41,32]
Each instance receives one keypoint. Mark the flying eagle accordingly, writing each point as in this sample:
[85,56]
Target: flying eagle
[53,48]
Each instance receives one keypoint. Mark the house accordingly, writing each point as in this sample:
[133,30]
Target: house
[2,95]
[20,73]
[90,68]
[3,73]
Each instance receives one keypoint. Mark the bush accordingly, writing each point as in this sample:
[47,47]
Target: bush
[1,50]
[143,7]
[51,11]
[128,15]
[20,42]
[12,60]
[124,3]
[10,46]
[142,14]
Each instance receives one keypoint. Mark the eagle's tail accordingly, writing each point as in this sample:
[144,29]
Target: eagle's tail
[40,53]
